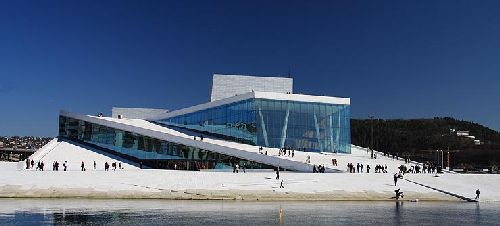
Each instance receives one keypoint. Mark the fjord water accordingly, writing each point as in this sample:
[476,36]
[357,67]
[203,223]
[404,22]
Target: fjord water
[165,212]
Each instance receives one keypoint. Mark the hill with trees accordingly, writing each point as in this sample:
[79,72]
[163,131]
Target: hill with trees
[419,139]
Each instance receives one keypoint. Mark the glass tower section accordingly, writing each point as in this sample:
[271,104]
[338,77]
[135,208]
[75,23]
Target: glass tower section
[304,126]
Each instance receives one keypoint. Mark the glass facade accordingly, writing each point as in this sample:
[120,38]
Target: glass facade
[153,152]
[317,127]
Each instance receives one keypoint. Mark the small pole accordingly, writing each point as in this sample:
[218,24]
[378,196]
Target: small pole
[448,158]
[281,217]
[442,160]
[371,141]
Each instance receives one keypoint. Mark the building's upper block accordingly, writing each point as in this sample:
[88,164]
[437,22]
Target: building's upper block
[224,86]
[138,113]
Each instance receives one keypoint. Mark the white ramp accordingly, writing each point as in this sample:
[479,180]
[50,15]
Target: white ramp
[61,151]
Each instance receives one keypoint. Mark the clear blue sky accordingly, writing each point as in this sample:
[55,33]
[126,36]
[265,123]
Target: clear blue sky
[395,59]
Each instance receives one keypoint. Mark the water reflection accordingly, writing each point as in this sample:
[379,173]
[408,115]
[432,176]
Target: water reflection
[397,215]
[161,212]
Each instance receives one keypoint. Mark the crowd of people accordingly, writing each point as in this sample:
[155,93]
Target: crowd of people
[40,165]
[236,167]
[283,152]
[319,169]
[381,168]
[425,168]
[359,168]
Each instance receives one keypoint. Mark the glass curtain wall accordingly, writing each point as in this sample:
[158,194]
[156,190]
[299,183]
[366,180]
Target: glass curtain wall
[235,121]
[302,126]
[162,154]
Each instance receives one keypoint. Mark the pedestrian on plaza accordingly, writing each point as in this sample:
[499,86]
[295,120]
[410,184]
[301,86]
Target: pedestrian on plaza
[477,194]
[32,164]
[65,165]
[95,166]
[395,179]
[278,173]
[398,193]
[293,153]
[281,185]
[83,166]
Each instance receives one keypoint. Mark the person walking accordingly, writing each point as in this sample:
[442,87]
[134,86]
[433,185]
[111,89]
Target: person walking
[95,166]
[477,194]
[278,173]
[399,193]
[395,179]
[281,184]
[83,166]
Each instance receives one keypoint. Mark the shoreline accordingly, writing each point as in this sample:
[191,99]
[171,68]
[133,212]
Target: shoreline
[232,195]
